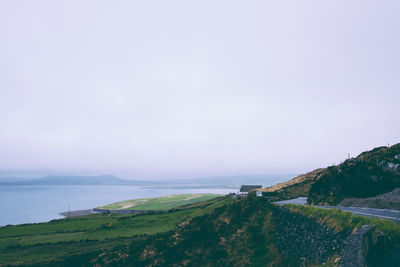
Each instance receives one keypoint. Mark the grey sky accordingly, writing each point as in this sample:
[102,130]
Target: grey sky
[192,88]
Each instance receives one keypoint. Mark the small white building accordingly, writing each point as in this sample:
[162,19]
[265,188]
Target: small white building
[245,189]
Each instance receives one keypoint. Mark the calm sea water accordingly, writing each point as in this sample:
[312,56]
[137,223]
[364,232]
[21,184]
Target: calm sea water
[32,204]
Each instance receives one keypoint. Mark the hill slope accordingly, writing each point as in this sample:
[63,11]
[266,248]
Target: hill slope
[296,187]
[246,232]
[369,174]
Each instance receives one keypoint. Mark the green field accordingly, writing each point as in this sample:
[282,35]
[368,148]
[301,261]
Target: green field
[160,203]
[55,240]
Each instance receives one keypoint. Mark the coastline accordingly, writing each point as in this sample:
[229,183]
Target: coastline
[77,213]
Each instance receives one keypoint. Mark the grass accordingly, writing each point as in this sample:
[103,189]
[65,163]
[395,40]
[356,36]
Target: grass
[44,242]
[341,221]
[160,203]
[99,227]
[44,253]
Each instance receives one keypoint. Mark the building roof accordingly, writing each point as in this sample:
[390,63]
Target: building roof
[247,188]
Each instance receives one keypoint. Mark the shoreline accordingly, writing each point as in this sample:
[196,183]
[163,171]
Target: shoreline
[77,213]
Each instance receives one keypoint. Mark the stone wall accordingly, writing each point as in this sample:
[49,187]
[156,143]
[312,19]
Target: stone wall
[303,238]
[300,237]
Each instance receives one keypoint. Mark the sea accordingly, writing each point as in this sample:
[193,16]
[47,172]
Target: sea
[43,203]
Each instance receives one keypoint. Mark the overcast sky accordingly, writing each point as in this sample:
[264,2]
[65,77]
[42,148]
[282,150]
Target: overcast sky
[196,88]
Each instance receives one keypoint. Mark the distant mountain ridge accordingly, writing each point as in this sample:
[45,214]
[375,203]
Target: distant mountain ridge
[233,182]
[69,180]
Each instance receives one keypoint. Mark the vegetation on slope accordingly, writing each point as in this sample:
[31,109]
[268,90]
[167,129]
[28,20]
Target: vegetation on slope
[240,233]
[296,187]
[371,173]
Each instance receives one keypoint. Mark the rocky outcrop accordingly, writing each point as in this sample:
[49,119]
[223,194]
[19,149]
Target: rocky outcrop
[300,237]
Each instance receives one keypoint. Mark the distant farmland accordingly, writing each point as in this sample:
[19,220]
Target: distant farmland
[159,203]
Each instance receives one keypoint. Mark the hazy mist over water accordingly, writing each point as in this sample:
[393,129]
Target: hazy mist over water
[182,89]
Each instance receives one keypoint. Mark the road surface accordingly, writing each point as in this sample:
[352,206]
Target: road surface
[393,215]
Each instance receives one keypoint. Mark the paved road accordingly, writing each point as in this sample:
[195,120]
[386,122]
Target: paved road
[393,215]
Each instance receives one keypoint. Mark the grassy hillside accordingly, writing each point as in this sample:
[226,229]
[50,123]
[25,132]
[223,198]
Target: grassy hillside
[296,187]
[370,174]
[239,233]
[160,203]
[217,232]
[220,232]
[53,241]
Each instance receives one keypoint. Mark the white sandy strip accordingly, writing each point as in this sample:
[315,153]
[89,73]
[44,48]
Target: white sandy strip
[193,196]
[130,205]
[127,206]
